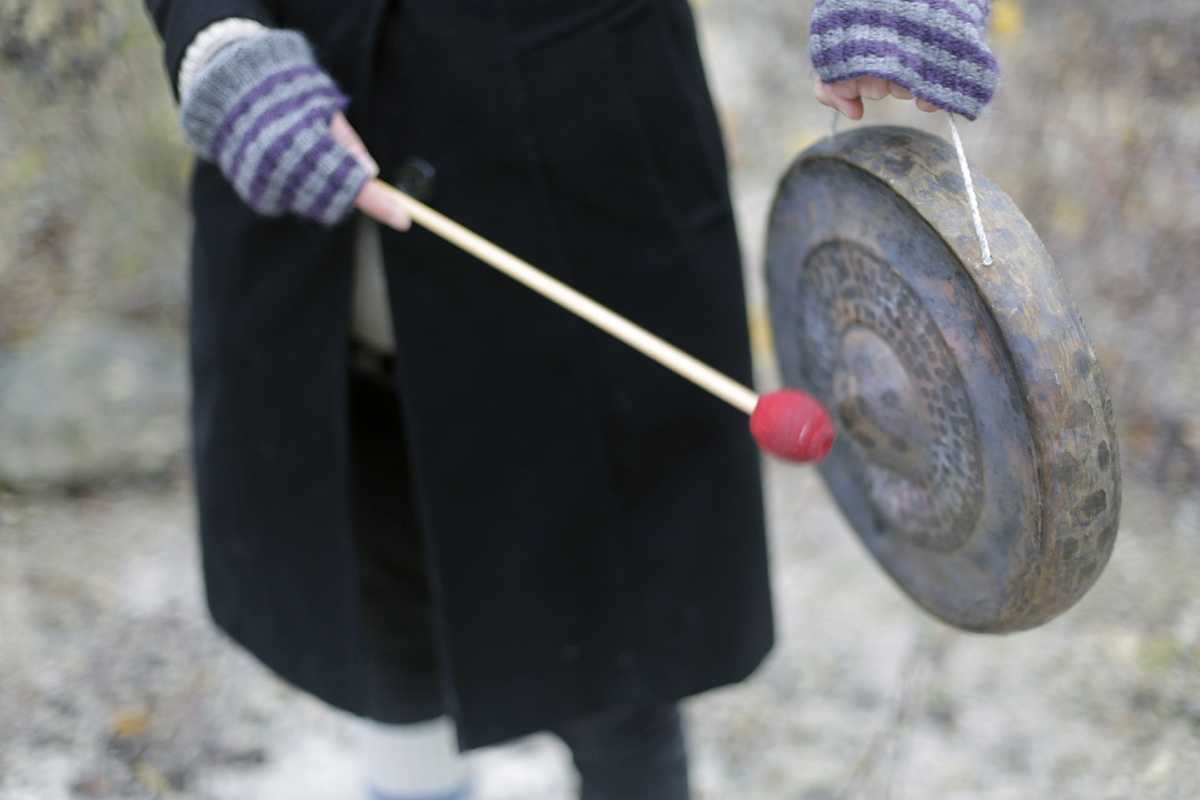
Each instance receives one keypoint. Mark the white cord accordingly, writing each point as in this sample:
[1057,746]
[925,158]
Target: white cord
[984,251]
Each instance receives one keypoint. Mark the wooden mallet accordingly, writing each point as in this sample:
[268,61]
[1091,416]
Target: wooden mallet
[787,423]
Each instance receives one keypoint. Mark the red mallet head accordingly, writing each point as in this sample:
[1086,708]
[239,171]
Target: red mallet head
[790,424]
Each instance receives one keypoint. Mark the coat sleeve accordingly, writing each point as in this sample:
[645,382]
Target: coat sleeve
[178,22]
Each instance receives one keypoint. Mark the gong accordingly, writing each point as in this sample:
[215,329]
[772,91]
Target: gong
[976,456]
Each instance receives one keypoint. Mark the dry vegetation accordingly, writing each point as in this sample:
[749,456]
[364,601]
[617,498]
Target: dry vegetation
[1095,133]
[92,175]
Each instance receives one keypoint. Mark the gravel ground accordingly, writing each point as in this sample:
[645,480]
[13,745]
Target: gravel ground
[113,684]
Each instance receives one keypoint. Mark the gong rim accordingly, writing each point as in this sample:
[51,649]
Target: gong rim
[1042,536]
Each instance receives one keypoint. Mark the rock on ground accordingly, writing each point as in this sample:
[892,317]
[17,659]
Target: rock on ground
[90,401]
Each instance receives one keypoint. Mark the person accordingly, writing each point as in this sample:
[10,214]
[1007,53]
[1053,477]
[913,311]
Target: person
[426,495]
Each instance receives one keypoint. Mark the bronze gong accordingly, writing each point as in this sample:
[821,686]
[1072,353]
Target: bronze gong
[976,455]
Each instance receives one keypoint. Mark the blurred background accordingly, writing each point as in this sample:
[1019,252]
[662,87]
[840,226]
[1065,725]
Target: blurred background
[113,683]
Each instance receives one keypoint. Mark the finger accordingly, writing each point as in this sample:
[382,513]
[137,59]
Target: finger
[827,95]
[851,108]
[873,88]
[845,89]
[378,204]
[925,105]
[824,93]
[899,92]
[344,134]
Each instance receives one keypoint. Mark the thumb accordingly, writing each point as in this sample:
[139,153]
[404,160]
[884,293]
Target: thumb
[344,134]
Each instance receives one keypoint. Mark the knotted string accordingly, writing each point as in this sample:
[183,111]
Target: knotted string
[985,252]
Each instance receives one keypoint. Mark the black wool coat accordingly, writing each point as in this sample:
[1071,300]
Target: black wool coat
[593,522]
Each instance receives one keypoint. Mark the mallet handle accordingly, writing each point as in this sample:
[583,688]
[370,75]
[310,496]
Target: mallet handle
[607,320]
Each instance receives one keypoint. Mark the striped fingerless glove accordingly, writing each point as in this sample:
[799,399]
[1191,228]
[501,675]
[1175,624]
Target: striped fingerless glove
[934,48]
[260,110]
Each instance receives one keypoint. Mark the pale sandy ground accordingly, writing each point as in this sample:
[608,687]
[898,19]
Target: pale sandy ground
[864,697]
[114,685]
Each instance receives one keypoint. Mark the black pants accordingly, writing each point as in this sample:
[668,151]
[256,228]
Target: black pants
[635,754]
[638,754]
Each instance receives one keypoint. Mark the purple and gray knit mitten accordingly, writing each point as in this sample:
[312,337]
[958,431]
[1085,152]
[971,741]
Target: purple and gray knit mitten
[934,48]
[260,110]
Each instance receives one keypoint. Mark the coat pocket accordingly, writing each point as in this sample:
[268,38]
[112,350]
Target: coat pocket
[663,79]
[622,121]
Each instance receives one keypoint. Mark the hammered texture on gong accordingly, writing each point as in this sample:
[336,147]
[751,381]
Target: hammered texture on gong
[976,457]
[898,394]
